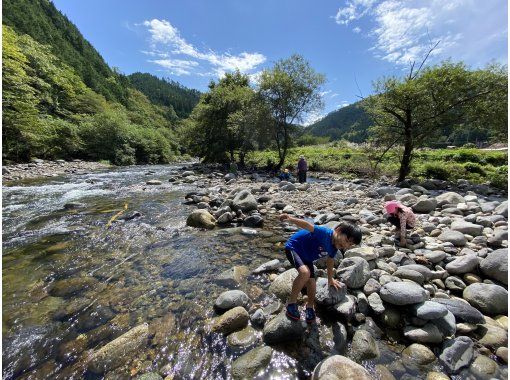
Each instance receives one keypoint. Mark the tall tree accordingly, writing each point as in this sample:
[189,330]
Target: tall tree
[413,110]
[290,89]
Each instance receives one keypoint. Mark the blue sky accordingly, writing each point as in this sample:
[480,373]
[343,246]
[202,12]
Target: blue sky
[349,41]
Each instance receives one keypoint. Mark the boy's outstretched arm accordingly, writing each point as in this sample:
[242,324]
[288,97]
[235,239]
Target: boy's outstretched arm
[298,222]
[330,263]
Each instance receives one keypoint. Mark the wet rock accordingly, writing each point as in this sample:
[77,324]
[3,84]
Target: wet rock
[281,329]
[230,299]
[429,310]
[253,221]
[201,219]
[417,354]
[462,264]
[339,337]
[153,182]
[282,285]
[376,303]
[162,329]
[233,320]
[429,333]
[232,277]
[69,352]
[244,201]
[383,373]
[94,316]
[446,324]
[462,310]
[403,293]
[346,308]
[327,295]
[495,265]
[258,319]
[118,351]
[484,367]
[242,338]
[269,266]
[456,238]
[339,367]
[72,286]
[354,272]
[364,346]
[225,218]
[488,298]
[457,353]
[130,216]
[491,336]
[251,363]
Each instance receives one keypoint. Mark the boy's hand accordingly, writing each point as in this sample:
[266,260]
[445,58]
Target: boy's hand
[334,283]
[284,217]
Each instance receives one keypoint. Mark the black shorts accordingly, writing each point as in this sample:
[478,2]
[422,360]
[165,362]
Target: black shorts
[394,220]
[297,261]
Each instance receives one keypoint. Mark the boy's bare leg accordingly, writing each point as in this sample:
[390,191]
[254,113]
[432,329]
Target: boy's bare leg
[299,283]
[310,292]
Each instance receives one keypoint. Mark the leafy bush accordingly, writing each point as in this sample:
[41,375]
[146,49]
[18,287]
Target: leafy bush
[308,139]
[469,146]
[467,156]
[436,171]
[497,160]
[472,167]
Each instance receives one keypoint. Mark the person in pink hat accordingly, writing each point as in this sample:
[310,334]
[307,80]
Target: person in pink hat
[401,217]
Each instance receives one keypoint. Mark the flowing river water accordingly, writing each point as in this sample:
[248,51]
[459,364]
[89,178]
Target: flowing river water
[140,270]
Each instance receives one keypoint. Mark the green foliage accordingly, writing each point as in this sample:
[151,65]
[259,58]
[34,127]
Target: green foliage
[500,178]
[472,167]
[309,139]
[47,26]
[167,93]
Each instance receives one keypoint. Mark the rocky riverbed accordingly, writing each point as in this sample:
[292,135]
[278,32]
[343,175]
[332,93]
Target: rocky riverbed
[43,168]
[127,290]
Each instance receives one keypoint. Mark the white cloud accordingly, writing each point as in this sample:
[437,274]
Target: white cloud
[176,66]
[323,93]
[165,35]
[312,117]
[334,95]
[404,31]
[344,103]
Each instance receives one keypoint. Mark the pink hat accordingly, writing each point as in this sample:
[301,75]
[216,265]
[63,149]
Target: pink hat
[391,207]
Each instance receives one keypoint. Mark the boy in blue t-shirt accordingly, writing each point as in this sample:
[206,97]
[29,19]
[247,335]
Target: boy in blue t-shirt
[306,246]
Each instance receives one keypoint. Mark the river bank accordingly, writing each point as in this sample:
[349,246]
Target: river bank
[119,286]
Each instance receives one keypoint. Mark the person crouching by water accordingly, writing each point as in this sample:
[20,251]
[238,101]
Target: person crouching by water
[307,245]
[401,217]
[302,168]
[285,175]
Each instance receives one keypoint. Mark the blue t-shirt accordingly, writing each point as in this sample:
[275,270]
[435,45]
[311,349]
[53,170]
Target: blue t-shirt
[311,246]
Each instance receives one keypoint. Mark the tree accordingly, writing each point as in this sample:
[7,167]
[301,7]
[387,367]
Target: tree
[290,89]
[414,110]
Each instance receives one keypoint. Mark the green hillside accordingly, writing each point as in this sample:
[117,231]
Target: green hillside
[166,92]
[350,123]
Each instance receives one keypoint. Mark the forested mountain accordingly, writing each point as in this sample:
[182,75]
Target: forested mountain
[166,92]
[350,123]
[61,100]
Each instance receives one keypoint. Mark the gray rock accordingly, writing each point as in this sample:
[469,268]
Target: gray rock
[339,367]
[253,221]
[281,329]
[364,346]
[244,201]
[447,324]
[153,182]
[367,253]
[339,337]
[269,266]
[429,310]
[409,274]
[232,277]
[233,320]
[403,293]
[467,228]
[462,264]
[424,206]
[417,354]
[346,308]
[424,334]
[435,256]
[375,302]
[495,265]
[462,311]
[502,209]
[251,363]
[354,272]
[488,298]
[258,319]
[201,219]
[118,351]
[282,285]
[225,218]
[449,198]
[372,286]
[455,237]
[457,353]
[382,191]
[327,295]
[230,299]
[454,283]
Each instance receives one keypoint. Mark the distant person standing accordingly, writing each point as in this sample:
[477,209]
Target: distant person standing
[302,168]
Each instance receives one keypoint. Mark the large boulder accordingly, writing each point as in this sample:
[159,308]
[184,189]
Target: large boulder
[462,310]
[281,329]
[364,346]
[425,205]
[495,265]
[403,293]
[339,367]
[118,351]
[233,320]
[201,219]
[488,298]
[354,272]
[367,253]
[244,201]
[455,237]
[328,295]
[429,310]
[282,285]
[417,354]
[252,362]
[457,353]
[467,228]
[502,209]
[462,264]
[230,299]
[269,266]
[449,198]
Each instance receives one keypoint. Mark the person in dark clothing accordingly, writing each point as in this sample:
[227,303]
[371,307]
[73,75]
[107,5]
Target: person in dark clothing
[302,168]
